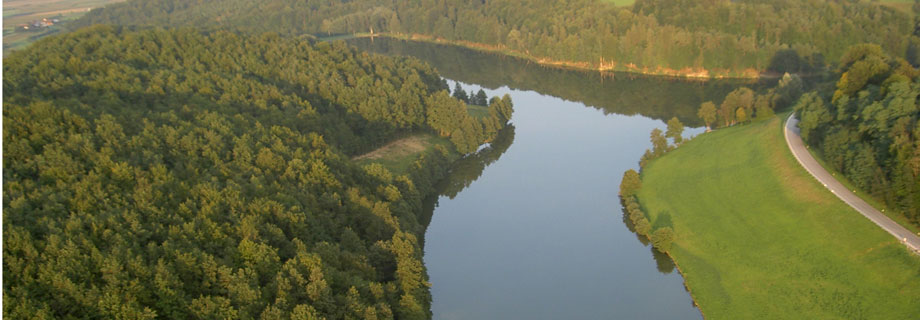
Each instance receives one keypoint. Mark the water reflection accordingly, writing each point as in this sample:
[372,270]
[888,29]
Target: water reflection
[466,170]
[632,227]
[536,237]
[662,261]
[620,93]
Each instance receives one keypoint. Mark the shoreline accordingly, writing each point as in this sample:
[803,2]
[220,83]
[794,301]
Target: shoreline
[684,276]
[604,66]
[733,258]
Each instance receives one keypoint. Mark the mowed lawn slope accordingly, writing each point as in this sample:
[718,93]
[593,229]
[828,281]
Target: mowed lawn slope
[758,238]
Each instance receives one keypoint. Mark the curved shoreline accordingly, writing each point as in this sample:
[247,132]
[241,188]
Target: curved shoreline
[755,225]
[686,286]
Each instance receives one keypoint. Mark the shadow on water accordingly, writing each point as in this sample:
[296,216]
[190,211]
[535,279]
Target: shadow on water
[466,170]
[620,93]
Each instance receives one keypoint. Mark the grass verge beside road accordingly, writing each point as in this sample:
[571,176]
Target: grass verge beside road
[891,214]
[758,237]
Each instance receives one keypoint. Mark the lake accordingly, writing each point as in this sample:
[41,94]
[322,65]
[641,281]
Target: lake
[531,227]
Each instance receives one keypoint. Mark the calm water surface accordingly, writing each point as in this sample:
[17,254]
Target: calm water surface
[532,228]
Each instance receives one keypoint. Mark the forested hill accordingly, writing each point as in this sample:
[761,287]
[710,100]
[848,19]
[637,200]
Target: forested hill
[715,37]
[179,174]
[868,126]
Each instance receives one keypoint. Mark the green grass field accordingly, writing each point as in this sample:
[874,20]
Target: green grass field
[759,238]
[891,214]
[621,3]
[903,5]
[477,111]
[398,155]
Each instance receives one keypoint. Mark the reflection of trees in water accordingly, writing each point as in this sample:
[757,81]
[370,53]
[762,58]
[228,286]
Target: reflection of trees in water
[468,169]
[662,261]
[632,227]
[620,93]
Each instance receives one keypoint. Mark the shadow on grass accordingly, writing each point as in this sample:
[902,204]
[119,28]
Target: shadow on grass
[663,220]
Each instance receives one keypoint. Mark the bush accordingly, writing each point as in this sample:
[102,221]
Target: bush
[662,239]
[630,183]
[643,226]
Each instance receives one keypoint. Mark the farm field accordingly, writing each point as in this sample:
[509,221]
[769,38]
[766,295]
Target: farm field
[19,12]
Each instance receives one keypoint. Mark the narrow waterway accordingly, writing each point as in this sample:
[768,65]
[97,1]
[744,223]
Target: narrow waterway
[532,228]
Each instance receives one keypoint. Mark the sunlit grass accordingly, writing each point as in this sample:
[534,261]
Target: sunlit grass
[757,237]
[905,6]
[398,155]
[621,2]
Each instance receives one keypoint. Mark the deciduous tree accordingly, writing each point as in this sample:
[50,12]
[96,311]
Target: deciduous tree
[662,239]
[707,113]
[630,183]
[675,129]
[659,142]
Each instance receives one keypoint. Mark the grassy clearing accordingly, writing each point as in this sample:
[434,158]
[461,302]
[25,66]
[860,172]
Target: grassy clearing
[903,5]
[396,156]
[757,237]
[621,3]
[477,111]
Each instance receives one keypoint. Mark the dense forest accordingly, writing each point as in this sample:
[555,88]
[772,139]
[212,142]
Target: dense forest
[181,174]
[867,126]
[693,36]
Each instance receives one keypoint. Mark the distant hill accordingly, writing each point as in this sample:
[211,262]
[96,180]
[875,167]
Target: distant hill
[717,37]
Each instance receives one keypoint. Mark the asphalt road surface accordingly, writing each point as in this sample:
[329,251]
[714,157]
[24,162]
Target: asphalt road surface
[794,140]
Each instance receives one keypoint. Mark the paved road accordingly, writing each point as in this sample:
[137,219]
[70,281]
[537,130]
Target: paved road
[912,241]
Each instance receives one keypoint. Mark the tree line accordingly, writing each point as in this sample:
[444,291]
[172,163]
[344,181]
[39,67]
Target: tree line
[479,98]
[743,105]
[723,36]
[661,238]
[867,126]
[187,174]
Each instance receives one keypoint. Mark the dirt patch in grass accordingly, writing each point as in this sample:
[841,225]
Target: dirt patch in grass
[399,148]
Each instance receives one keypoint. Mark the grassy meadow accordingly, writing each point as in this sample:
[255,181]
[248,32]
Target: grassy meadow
[398,155]
[759,238]
[477,111]
[621,3]
[903,5]
[892,214]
